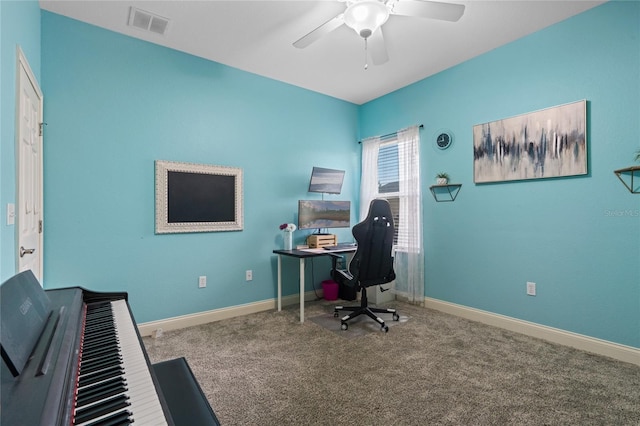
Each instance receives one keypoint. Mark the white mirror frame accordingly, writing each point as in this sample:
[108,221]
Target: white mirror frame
[163,226]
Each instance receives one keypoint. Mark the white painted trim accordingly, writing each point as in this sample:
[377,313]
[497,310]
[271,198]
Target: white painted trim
[22,64]
[555,335]
[183,321]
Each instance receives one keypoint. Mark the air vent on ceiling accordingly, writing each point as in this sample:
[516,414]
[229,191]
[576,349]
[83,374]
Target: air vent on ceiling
[148,21]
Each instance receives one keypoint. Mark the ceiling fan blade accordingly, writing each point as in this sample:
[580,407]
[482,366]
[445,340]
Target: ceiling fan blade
[378,48]
[319,32]
[429,9]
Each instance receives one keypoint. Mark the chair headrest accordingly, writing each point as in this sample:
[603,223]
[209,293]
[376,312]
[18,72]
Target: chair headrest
[378,208]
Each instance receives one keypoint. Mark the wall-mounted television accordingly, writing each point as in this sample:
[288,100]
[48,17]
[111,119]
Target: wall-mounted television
[318,214]
[326,180]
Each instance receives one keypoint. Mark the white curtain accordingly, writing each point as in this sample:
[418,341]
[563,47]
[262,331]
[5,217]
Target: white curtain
[369,178]
[410,262]
[409,253]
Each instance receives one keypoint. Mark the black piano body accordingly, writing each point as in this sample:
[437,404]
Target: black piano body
[45,338]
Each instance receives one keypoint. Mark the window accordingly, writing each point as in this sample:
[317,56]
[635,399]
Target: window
[389,183]
[395,169]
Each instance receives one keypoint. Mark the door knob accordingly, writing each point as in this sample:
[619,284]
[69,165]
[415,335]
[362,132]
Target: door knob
[24,251]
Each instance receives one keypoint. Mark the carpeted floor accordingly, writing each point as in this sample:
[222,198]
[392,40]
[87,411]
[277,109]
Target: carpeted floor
[431,368]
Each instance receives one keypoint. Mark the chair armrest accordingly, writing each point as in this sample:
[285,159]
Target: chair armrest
[346,274]
[334,261]
[334,255]
[347,278]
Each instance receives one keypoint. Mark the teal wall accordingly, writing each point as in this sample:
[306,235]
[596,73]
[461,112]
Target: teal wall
[577,238]
[19,26]
[114,105]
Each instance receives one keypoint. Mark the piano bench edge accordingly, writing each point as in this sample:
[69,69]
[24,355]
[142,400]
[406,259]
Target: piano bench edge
[184,397]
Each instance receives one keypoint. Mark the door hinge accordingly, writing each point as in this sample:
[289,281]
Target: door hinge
[41,126]
[40,226]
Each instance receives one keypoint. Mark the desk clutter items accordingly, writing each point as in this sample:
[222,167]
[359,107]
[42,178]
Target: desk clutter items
[321,240]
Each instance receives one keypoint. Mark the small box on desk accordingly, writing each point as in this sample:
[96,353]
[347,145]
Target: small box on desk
[322,240]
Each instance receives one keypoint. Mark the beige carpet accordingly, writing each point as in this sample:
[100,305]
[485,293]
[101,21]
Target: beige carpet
[430,369]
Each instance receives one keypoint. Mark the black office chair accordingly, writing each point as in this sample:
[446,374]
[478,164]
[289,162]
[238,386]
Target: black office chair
[372,264]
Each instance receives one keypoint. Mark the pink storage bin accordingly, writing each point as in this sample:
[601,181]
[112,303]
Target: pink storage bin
[330,289]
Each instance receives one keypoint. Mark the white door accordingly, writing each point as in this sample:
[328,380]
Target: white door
[29,151]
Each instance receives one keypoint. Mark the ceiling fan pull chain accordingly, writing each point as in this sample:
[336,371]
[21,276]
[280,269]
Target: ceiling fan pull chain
[366,64]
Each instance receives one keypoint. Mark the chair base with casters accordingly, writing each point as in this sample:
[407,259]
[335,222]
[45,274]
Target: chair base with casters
[365,309]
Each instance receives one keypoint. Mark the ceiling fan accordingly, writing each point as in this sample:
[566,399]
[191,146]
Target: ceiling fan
[366,18]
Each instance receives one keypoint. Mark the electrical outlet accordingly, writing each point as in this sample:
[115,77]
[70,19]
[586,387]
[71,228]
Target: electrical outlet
[248,275]
[531,288]
[202,281]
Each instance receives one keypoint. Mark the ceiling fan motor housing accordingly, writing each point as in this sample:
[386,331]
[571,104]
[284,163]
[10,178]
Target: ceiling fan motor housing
[366,16]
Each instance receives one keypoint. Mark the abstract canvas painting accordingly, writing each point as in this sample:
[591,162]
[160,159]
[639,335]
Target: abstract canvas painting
[543,144]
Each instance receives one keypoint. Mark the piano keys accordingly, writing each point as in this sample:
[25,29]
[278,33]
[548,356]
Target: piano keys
[114,379]
[86,364]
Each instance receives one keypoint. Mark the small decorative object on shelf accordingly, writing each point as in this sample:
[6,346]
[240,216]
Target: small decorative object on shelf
[288,229]
[442,178]
[446,192]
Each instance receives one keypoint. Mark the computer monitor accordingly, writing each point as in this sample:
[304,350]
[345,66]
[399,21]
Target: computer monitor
[326,180]
[319,214]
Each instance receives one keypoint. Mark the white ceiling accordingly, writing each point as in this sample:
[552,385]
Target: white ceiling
[257,36]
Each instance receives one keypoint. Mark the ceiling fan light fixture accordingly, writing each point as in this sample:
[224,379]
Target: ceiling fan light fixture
[366,16]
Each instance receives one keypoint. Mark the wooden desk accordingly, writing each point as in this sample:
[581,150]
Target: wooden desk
[301,255]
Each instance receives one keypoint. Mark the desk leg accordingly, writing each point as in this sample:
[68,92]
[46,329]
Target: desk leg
[301,290]
[279,283]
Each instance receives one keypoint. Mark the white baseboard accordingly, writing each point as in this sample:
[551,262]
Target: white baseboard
[183,321]
[555,335]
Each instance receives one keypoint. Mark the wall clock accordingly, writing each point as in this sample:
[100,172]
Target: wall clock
[443,139]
